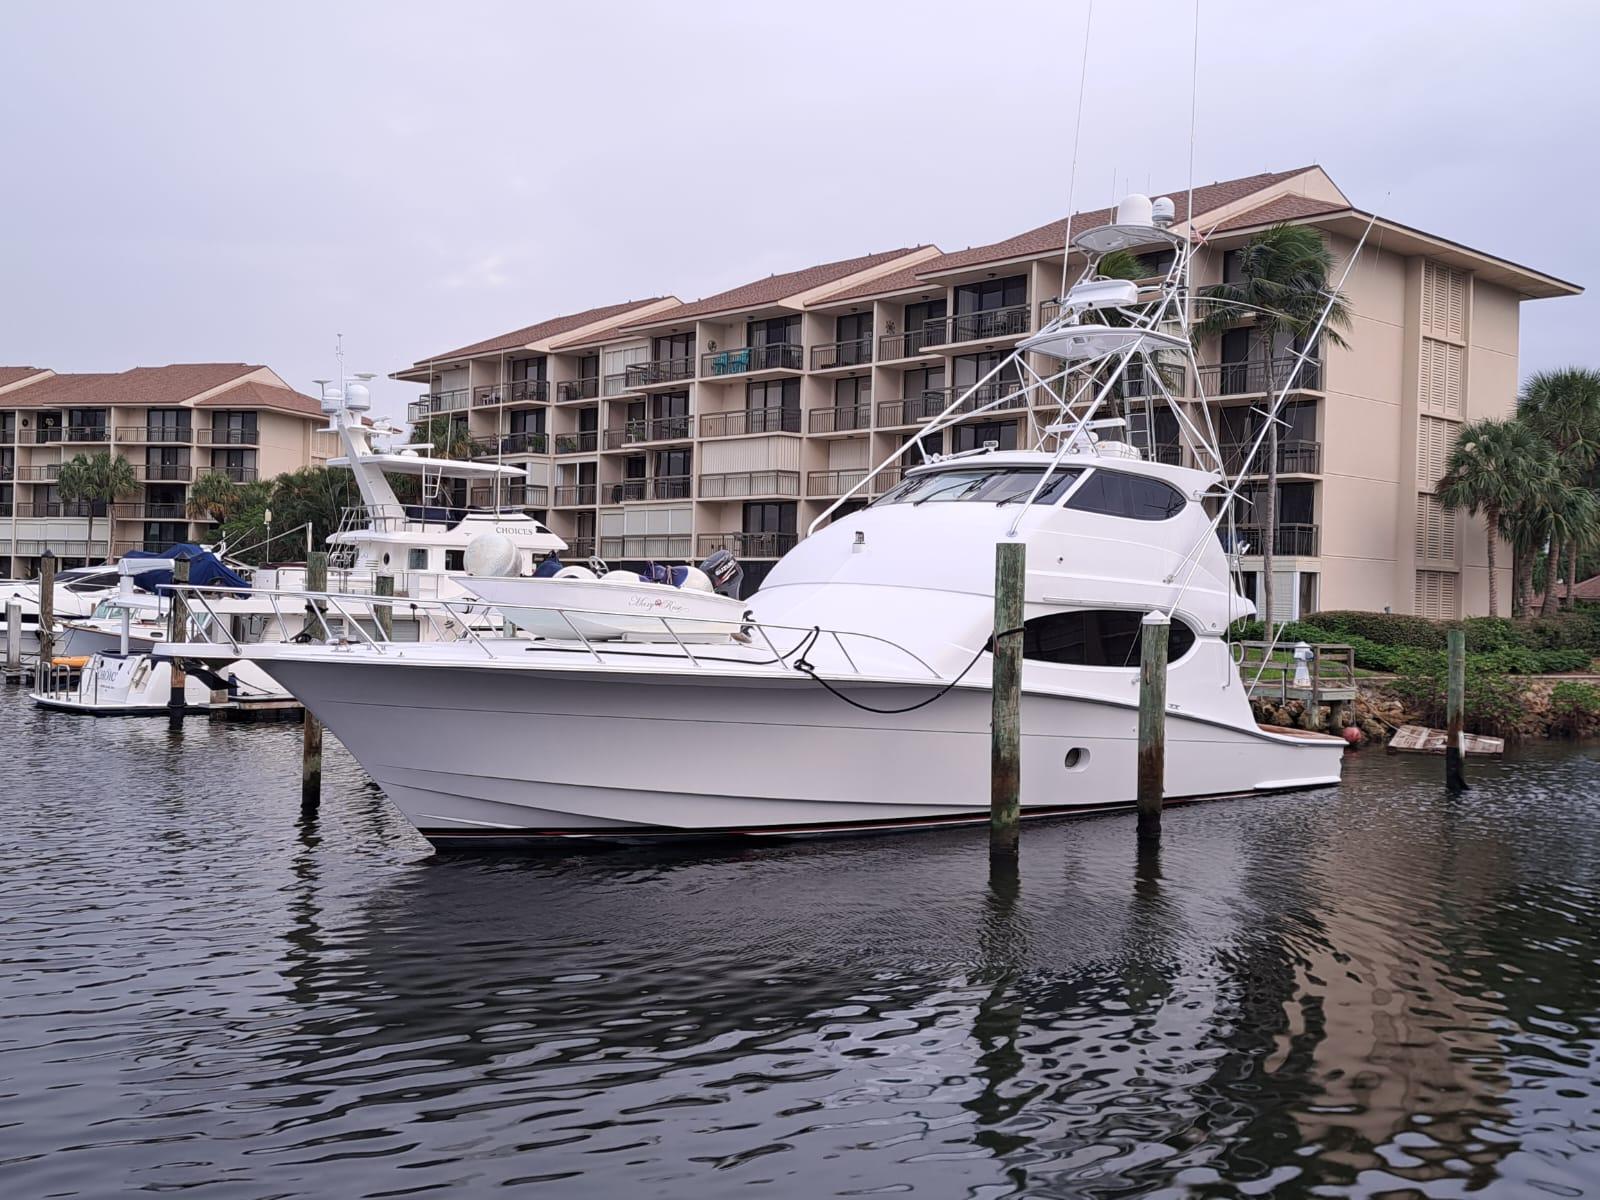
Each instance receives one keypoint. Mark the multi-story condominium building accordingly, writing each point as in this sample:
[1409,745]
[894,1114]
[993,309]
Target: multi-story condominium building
[661,429]
[172,423]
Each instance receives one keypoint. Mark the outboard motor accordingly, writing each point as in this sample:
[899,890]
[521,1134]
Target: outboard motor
[725,573]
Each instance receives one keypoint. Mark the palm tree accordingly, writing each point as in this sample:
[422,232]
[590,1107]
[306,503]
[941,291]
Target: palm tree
[1563,406]
[447,438]
[99,479]
[1283,291]
[214,496]
[1567,515]
[1495,467]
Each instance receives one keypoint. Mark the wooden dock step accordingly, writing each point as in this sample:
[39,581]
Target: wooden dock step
[1419,739]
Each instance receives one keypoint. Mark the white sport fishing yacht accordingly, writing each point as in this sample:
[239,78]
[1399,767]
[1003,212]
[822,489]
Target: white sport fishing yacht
[77,591]
[855,693]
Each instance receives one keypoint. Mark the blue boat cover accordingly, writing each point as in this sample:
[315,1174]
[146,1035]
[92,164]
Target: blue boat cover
[205,569]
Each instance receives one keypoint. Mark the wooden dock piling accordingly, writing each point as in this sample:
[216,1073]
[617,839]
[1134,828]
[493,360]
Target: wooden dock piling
[47,612]
[1455,709]
[1005,730]
[382,613]
[177,633]
[311,728]
[1153,639]
[13,640]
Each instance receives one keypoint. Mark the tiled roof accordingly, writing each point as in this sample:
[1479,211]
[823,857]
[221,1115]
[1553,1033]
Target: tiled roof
[169,385]
[554,327]
[10,375]
[1052,236]
[255,394]
[778,287]
[1284,208]
[613,331]
[896,281]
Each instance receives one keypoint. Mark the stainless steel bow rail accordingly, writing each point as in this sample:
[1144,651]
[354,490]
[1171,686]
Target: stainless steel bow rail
[348,620]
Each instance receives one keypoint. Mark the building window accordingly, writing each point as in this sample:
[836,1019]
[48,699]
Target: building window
[991,294]
[1309,597]
[970,437]
[774,332]
[851,393]
[528,369]
[1115,494]
[1096,637]
[676,345]
[769,517]
[589,366]
[527,420]
[238,428]
[925,321]
[773,393]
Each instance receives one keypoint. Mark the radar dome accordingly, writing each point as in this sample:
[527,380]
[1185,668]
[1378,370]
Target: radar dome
[1134,210]
[1163,211]
[492,554]
[358,397]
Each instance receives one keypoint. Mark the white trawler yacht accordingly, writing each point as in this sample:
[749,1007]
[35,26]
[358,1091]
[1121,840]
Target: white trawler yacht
[107,667]
[856,692]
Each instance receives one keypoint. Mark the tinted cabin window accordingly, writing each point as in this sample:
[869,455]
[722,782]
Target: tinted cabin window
[996,485]
[1119,495]
[1096,637]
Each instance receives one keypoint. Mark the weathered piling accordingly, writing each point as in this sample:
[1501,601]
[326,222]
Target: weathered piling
[47,611]
[13,640]
[311,728]
[383,613]
[1005,729]
[177,634]
[1455,709]
[1153,633]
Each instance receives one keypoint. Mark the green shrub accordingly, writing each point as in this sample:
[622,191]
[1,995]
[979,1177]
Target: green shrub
[1386,629]
[1574,707]
[1490,633]
[1554,661]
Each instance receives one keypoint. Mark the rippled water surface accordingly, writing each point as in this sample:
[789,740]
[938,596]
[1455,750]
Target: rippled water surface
[1373,991]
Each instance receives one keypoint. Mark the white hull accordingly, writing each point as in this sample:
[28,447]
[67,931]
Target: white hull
[602,611]
[480,755]
[141,685]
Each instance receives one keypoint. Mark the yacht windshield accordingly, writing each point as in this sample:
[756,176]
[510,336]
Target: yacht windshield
[991,485]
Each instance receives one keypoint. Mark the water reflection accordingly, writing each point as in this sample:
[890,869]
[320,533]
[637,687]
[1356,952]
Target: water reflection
[1381,991]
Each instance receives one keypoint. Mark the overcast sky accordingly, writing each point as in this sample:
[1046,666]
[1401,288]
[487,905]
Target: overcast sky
[206,181]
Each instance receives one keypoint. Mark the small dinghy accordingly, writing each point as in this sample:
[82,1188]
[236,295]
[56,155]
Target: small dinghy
[570,603]
[138,684]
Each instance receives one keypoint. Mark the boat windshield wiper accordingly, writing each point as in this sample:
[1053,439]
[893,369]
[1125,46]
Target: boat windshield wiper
[971,485]
[1046,494]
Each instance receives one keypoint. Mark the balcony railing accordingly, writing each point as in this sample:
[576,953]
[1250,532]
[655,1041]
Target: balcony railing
[230,437]
[661,487]
[853,353]
[72,433]
[912,342]
[514,391]
[583,442]
[56,508]
[578,495]
[237,474]
[172,435]
[658,371]
[612,385]
[152,512]
[1297,457]
[1049,310]
[165,472]
[929,403]
[738,484]
[840,420]
[775,419]
[580,547]
[525,442]
[774,356]
[1301,540]
[662,429]
[748,545]
[32,548]
[581,389]
[435,403]
[520,495]
[647,545]
[991,323]
[45,471]
[1257,376]
[834,483]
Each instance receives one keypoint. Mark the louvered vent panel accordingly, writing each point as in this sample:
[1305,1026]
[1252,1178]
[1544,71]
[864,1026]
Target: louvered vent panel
[1436,530]
[1437,595]
[1443,368]
[1444,301]
[1435,439]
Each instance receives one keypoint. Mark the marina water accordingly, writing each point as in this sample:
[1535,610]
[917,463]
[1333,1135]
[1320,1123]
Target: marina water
[1376,990]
